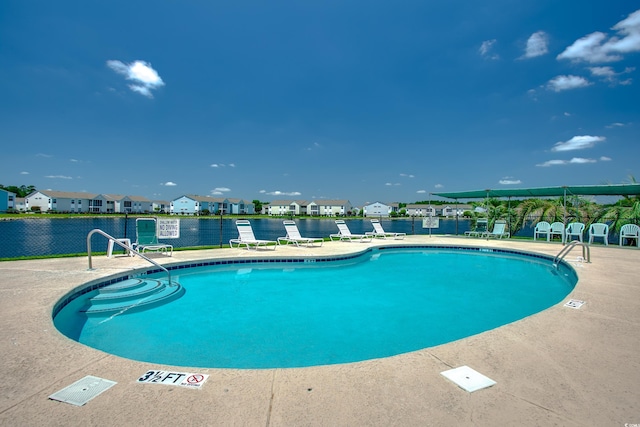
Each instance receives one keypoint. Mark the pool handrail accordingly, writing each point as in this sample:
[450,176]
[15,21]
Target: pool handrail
[586,254]
[125,246]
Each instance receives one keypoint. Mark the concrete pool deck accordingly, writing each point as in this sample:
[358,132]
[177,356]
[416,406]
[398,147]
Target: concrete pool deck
[562,366]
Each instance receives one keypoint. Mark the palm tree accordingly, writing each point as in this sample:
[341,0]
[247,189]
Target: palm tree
[625,211]
[535,210]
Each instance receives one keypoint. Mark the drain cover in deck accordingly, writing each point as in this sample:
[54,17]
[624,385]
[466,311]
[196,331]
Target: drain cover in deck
[468,379]
[574,303]
[82,390]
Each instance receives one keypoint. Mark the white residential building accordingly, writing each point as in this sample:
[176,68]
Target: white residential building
[58,201]
[377,209]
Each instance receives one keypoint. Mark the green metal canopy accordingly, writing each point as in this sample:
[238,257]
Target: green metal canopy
[576,190]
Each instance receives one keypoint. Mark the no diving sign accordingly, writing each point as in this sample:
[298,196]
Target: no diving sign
[183,379]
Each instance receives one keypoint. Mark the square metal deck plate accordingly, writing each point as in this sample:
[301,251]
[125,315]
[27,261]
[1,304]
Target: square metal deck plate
[468,379]
[82,390]
[574,303]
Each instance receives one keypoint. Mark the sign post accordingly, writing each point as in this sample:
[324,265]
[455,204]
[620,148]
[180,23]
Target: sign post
[168,228]
[430,222]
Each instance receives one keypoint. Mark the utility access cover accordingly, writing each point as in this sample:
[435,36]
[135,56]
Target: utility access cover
[83,390]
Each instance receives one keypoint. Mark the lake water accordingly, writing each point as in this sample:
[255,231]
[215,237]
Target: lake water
[53,236]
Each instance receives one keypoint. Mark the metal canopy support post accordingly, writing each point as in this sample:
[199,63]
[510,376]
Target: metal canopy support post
[456,205]
[430,216]
[564,215]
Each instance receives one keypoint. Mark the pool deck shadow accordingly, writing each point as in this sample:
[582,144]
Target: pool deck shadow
[562,366]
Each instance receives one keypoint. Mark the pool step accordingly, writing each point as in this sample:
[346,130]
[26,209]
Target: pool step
[132,295]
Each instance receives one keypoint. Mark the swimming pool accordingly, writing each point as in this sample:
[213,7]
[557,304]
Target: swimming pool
[277,313]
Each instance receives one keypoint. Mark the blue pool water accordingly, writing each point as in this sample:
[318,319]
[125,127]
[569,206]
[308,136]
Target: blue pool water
[383,303]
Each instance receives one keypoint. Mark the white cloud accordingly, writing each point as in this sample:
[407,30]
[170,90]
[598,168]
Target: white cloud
[537,45]
[421,191]
[575,160]
[169,184]
[605,159]
[508,180]
[580,160]
[144,77]
[24,173]
[598,47]
[232,165]
[439,186]
[58,177]
[44,155]
[608,74]
[407,175]
[552,163]
[220,190]
[284,193]
[615,125]
[578,143]
[561,83]
[485,49]
[389,184]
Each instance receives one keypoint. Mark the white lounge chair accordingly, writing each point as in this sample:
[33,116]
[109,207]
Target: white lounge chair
[543,228]
[293,236]
[246,237]
[147,237]
[599,230]
[499,230]
[345,234]
[630,231]
[574,229]
[378,231]
[557,229]
[482,226]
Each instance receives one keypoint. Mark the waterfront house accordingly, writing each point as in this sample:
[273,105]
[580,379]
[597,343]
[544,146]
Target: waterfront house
[7,200]
[116,203]
[420,210]
[160,206]
[58,201]
[291,207]
[240,207]
[334,207]
[378,209]
[195,205]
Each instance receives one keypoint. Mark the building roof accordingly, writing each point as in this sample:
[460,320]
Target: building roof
[65,194]
[332,202]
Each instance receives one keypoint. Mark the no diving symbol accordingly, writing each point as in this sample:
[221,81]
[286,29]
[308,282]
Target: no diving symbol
[195,379]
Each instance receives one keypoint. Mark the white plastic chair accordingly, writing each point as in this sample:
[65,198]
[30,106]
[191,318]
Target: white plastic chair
[345,234]
[630,231]
[542,228]
[599,230]
[293,236]
[378,231]
[557,229]
[247,238]
[574,229]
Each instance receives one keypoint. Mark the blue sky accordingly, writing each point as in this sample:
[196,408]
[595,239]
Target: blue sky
[366,101]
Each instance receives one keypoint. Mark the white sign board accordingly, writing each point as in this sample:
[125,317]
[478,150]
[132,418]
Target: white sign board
[183,379]
[431,222]
[168,228]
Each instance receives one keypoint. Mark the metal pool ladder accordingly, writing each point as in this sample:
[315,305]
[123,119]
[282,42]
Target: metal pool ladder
[586,254]
[125,246]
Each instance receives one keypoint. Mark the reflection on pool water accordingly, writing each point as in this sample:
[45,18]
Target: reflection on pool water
[385,302]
